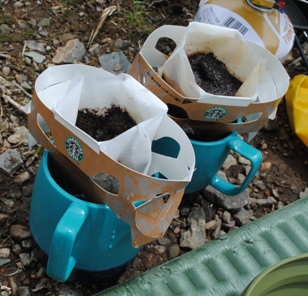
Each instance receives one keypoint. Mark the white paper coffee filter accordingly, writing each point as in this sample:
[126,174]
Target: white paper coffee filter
[131,148]
[230,48]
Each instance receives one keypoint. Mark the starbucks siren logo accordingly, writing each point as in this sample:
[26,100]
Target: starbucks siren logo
[215,113]
[74,149]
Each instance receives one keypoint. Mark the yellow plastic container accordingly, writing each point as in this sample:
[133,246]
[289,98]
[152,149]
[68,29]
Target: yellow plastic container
[297,106]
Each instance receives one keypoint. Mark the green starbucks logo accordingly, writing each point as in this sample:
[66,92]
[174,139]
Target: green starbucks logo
[215,113]
[74,149]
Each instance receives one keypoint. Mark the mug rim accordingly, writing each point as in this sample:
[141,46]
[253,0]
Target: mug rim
[215,142]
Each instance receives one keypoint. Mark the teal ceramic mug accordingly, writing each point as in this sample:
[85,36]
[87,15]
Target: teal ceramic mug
[211,153]
[76,235]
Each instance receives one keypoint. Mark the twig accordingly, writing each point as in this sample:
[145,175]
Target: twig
[106,12]
[14,103]
[22,89]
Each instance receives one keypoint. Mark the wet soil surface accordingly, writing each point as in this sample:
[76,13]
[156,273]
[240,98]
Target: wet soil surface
[212,75]
[102,127]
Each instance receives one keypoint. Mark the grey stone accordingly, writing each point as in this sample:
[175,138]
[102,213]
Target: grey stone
[5,29]
[226,201]
[226,217]
[24,291]
[173,251]
[36,46]
[71,53]
[10,161]
[68,291]
[25,259]
[111,61]
[36,57]
[242,217]
[4,261]
[230,161]
[304,193]
[196,234]
[164,241]
[44,22]
[122,44]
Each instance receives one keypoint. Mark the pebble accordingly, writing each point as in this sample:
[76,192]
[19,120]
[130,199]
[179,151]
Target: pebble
[242,217]
[230,161]
[3,218]
[25,259]
[159,249]
[16,249]
[173,251]
[115,62]
[24,291]
[20,232]
[265,166]
[164,241]
[4,252]
[21,178]
[71,53]
[195,235]
[10,161]
[6,70]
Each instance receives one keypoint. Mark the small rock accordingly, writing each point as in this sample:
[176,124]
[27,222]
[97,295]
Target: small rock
[242,217]
[109,61]
[25,259]
[4,261]
[27,243]
[159,249]
[6,70]
[230,161]
[36,46]
[265,166]
[3,218]
[164,241]
[122,44]
[20,232]
[71,53]
[25,176]
[173,251]
[304,193]
[195,235]
[16,249]
[225,201]
[24,291]
[243,160]
[4,252]
[36,57]
[10,161]
[68,291]
[211,225]
[226,217]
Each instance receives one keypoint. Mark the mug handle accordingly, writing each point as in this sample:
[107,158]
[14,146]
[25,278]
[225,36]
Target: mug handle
[60,261]
[241,147]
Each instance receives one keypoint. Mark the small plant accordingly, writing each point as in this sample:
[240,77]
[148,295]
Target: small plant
[137,16]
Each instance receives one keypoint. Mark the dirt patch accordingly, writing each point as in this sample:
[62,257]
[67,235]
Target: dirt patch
[212,75]
[102,127]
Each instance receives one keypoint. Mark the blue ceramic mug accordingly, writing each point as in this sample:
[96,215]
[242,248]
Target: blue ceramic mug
[210,156]
[75,234]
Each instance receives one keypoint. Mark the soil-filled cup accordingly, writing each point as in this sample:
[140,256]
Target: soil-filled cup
[77,236]
[211,153]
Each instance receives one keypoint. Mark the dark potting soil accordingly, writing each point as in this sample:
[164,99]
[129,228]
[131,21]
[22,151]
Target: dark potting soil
[212,75]
[104,125]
